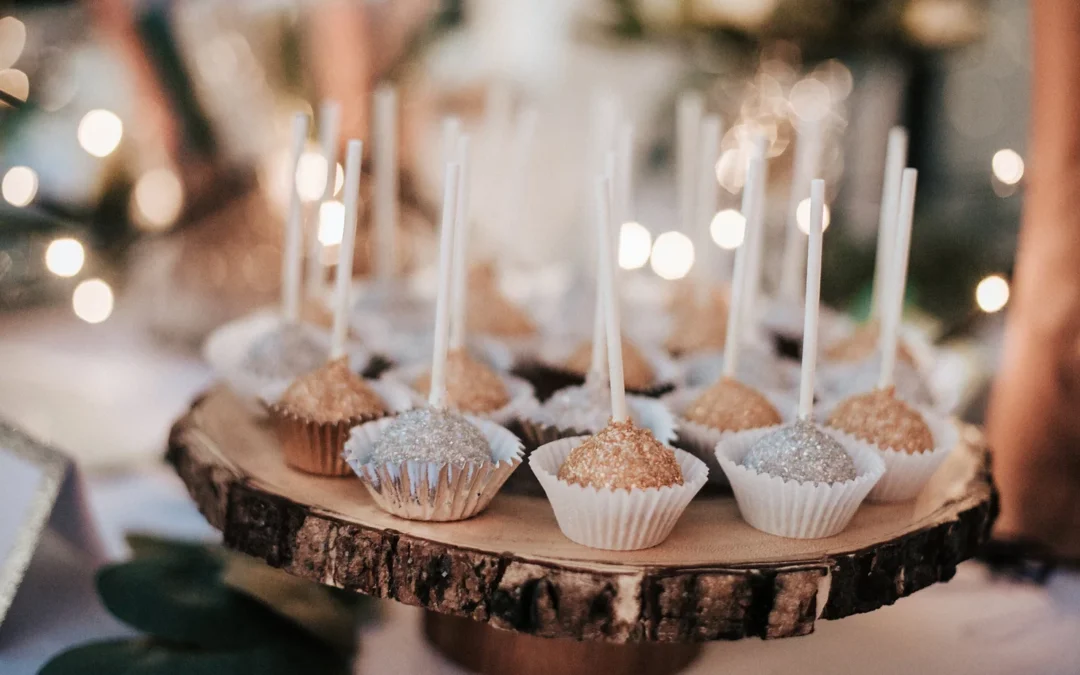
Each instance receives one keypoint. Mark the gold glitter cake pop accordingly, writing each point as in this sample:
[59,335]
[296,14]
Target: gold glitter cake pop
[489,312]
[701,327]
[331,393]
[880,418]
[862,343]
[730,405]
[471,386]
[637,372]
[622,456]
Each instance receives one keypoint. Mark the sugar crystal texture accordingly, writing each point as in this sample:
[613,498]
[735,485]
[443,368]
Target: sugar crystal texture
[880,418]
[801,452]
[622,456]
[431,435]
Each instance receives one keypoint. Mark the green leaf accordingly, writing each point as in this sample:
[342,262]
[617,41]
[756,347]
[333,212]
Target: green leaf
[182,598]
[150,657]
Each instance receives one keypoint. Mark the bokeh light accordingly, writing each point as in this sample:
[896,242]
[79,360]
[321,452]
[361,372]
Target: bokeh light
[15,83]
[672,255]
[158,199]
[331,223]
[728,228]
[19,186]
[1008,166]
[100,132]
[92,301]
[65,257]
[12,41]
[992,293]
[802,216]
[635,244]
[311,176]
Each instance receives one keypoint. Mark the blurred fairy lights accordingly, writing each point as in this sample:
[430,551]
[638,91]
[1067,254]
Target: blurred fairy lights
[92,300]
[65,257]
[728,227]
[635,243]
[15,83]
[1008,166]
[19,185]
[100,132]
[157,199]
[331,223]
[12,41]
[672,255]
[802,217]
[311,176]
[992,293]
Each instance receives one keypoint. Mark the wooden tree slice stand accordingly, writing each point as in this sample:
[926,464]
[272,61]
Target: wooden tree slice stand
[510,568]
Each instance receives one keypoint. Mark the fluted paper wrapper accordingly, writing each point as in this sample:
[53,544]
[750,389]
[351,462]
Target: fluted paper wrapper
[317,447]
[701,440]
[431,491]
[789,508]
[522,400]
[907,473]
[615,520]
[226,350]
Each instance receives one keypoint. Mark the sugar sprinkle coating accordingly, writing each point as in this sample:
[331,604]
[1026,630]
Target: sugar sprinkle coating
[622,456]
[471,386]
[288,352]
[332,393]
[730,405]
[431,435]
[880,418]
[803,453]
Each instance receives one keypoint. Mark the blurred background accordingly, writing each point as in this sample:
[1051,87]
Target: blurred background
[144,173]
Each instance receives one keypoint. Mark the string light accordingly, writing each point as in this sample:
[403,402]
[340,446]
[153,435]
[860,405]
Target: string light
[672,255]
[992,293]
[802,217]
[19,186]
[92,301]
[728,227]
[635,243]
[158,199]
[100,132]
[1008,166]
[311,176]
[65,257]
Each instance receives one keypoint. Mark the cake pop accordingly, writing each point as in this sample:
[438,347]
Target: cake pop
[730,405]
[330,393]
[802,453]
[862,343]
[471,386]
[880,418]
[638,372]
[431,435]
[701,327]
[622,456]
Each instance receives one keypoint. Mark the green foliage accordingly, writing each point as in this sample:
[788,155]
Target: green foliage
[206,611]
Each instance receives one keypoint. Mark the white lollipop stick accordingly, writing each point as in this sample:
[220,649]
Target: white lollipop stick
[707,191]
[894,290]
[343,280]
[807,152]
[437,395]
[329,130]
[756,233]
[461,247]
[598,367]
[610,294]
[741,274]
[624,164]
[687,125]
[451,127]
[813,296]
[386,182]
[895,159]
[292,261]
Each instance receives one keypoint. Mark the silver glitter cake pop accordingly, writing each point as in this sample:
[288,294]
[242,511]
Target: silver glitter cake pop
[290,351]
[803,453]
[431,435]
[584,408]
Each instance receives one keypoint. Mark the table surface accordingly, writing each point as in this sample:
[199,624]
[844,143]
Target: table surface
[107,395]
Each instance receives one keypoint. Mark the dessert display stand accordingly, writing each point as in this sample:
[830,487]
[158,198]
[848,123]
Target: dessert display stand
[507,592]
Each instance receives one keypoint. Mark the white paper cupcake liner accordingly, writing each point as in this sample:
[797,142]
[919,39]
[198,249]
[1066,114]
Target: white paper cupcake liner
[522,398]
[431,491]
[789,508]
[700,440]
[226,350]
[616,520]
[907,473]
